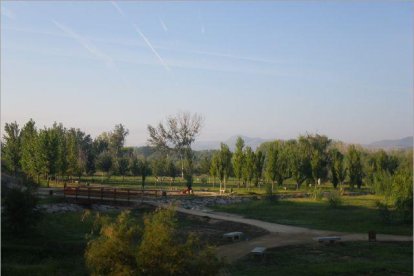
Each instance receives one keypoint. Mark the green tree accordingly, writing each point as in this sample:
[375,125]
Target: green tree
[161,253]
[47,153]
[158,167]
[402,193]
[28,149]
[258,167]
[224,165]
[104,162]
[11,149]
[18,211]
[238,160]
[333,173]
[299,163]
[249,165]
[316,148]
[214,167]
[121,248]
[113,251]
[135,166]
[145,171]
[316,166]
[62,163]
[271,163]
[101,143]
[123,166]
[277,163]
[205,165]
[171,169]
[117,140]
[177,136]
[355,166]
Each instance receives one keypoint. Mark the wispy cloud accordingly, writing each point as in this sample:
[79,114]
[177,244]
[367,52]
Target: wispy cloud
[118,8]
[85,43]
[151,47]
[189,49]
[164,27]
[6,12]
[146,40]
[91,48]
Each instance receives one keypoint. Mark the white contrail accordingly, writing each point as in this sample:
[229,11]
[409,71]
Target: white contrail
[150,46]
[164,27]
[87,45]
[118,8]
[121,12]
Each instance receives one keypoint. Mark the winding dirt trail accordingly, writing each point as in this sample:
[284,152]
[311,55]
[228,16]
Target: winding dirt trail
[279,234]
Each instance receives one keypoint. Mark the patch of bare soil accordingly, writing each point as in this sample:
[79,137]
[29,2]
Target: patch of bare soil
[211,231]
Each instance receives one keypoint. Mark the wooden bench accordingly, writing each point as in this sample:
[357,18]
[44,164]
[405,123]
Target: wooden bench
[331,239]
[233,236]
[258,251]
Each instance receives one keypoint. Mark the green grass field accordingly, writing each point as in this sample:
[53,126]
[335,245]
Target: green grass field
[357,214]
[350,258]
[56,248]
[199,185]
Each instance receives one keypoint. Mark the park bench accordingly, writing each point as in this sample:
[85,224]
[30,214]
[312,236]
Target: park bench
[328,239]
[258,251]
[233,236]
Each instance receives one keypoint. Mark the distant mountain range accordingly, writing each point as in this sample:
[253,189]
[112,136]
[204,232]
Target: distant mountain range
[403,143]
[252,142]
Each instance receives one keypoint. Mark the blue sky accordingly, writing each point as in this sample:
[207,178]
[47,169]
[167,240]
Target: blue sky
[263,69]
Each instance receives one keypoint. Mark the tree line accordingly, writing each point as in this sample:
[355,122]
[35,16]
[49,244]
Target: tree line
[310,159]
[62,153]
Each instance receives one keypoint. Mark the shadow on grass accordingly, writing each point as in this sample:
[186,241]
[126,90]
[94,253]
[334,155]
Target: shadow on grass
[357,214]
[350,258]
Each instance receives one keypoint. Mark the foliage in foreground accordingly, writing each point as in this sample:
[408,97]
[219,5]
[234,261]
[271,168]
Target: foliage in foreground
[19,213]
[123,249]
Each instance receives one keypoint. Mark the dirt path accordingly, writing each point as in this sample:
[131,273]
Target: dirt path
[279,234]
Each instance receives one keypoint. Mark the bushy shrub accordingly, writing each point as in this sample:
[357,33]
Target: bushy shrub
[113,251]
[334,199]
[123,249]
[19,213]
[317,194]
[384,211]
[402,194]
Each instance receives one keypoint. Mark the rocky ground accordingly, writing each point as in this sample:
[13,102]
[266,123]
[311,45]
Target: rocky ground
[190,202]
[201,203]
[70,207]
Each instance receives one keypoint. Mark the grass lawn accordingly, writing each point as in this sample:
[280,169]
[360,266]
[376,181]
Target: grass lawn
[350,258]
[55,248]
[134,182]
[357,214]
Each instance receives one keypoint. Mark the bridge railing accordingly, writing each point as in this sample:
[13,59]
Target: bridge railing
[115,193]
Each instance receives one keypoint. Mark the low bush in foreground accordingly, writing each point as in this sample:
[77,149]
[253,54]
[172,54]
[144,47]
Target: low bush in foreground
[19,213]
[121,248]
